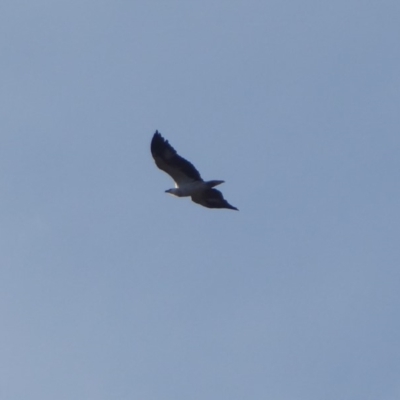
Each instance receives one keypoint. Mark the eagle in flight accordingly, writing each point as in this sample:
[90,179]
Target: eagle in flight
[188,182]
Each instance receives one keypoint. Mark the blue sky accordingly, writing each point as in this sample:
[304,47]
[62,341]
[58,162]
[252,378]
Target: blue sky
[111,289]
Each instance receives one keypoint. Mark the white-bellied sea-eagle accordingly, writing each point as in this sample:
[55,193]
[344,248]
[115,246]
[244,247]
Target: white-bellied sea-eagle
[187,179]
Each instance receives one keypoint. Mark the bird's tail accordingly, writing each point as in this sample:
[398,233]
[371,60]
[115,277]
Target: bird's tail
[211,184]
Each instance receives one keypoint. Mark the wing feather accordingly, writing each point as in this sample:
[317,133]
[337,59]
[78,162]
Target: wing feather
[169,161]
[211,198]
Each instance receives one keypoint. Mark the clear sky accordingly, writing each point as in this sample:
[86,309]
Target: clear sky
[112,289]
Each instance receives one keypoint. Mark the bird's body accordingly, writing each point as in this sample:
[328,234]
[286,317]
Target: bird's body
[188,182]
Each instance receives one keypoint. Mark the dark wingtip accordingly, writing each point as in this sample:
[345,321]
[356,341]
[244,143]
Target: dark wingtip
[158,137]
[157,141]
[229,206]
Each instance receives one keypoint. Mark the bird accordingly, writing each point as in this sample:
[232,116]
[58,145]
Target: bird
[188,182]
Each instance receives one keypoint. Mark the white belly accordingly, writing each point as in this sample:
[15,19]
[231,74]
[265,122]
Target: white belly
[190,188]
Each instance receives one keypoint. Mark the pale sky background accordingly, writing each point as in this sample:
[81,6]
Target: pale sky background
[112,289]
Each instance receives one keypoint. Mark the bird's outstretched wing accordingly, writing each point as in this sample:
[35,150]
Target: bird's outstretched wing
[168,160]
[211,198]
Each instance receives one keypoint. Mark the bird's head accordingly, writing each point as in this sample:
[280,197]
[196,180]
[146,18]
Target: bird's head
[174,191]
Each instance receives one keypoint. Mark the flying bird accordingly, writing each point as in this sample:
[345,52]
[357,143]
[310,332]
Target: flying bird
[188,182]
